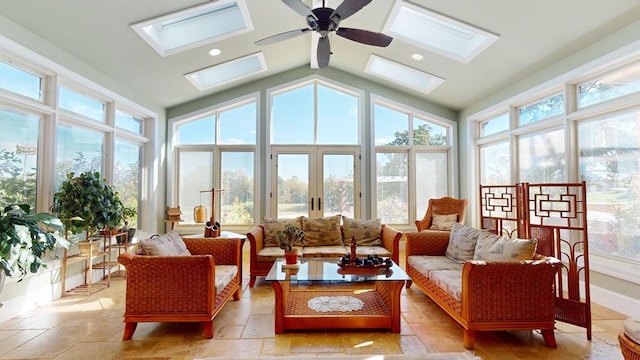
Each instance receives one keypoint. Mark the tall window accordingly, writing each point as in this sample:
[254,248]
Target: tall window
[542,157]
[18,157]
[126,175]
[610,164]
[405,139]
[217,150]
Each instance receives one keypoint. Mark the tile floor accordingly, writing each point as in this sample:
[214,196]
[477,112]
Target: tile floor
[90,327]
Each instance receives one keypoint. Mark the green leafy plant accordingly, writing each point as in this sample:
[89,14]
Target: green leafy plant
[127,214]
[289,236]
[25,238]
[87,203]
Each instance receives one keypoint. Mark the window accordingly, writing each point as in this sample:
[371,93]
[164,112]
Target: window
[541,110]
[18,157]
[20,81]
[494,164]
[297,120]
[610,164]
[78,150]
[217,150]
[195,174]
[237,197]
[392,187]
[129,122]
[126,175]
[542,157]
[81,104]
[495,125]
[612,85]
[405,139]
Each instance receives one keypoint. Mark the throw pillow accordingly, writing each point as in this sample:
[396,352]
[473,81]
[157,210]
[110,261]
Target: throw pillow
[443,222]
[462,242]
[169,244]
[272,226]
[492,247]
[367,232]
[322,231]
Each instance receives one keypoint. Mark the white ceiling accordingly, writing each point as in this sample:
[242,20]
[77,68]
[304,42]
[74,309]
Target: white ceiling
[533,34]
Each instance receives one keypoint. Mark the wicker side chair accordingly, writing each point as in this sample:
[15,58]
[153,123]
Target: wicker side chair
[443,206]
[182,288]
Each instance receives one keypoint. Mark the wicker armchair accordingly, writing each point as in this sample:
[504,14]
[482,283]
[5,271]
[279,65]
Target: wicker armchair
[630,350]
[494,295]
[442,206]
[182,288]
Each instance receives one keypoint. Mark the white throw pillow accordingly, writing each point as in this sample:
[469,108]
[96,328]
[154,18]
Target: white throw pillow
[462,242]
[169,244]
[443,222]
[492,247]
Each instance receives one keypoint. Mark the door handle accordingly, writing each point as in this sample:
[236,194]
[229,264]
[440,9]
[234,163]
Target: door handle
[319,205]
[312,204]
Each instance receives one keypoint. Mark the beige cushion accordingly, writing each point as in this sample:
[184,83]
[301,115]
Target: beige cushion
[272,226]
[443,222]
[367,232]
[322,231]
[462,242]
[491,247]
[631,328]
[169,244]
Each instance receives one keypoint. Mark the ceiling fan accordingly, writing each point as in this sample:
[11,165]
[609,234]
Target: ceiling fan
[325,20]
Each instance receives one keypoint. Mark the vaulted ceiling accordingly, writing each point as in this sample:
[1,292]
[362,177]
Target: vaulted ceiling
[531,35]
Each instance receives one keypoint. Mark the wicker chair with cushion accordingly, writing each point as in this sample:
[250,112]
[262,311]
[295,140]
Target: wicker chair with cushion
[629,339]
[175,279]
[442,213]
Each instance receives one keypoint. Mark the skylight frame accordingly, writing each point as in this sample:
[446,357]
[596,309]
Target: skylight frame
[482,38]
[194,76]
[421,81]
[166,25]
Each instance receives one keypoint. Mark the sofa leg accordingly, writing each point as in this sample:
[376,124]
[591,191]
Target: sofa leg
[549,338]
[469,338]
[408,283]
[236,295]
[208,329]
[129,329]
[252,281]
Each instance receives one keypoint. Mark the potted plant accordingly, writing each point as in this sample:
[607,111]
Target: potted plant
[129,213]
[88,197]
[287,238]
[25,238]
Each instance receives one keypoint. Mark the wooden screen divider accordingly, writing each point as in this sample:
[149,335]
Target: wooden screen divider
[556,215]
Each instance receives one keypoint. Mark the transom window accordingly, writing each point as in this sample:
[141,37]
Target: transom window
[81,104]
[610,86]
[20,81]
[543,109]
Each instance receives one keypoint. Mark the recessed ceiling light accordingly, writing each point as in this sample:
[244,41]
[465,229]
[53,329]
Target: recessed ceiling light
[215,52]
[417,57]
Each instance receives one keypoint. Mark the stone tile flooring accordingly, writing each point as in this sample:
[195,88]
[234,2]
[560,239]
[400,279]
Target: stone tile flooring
[90,327]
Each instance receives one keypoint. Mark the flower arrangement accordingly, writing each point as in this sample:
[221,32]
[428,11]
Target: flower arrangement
[289,236]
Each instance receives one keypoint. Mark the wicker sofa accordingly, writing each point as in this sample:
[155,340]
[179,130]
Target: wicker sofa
[324,237]
[484,295]
[181,286]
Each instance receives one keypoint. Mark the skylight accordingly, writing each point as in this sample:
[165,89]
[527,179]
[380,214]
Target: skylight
[436,32]
[226,72]
[402,74]
[196,26]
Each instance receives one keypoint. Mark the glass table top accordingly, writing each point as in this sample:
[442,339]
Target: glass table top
[327,269]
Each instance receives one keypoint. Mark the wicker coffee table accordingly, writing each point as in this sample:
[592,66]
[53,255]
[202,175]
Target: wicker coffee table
[318,294]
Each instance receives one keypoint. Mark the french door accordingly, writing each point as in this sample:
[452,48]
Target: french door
[314,181]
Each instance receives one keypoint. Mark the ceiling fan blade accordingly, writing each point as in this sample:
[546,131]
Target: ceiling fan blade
[299,7]
[324,51]
[347,8]
[365,36]
[282,36]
